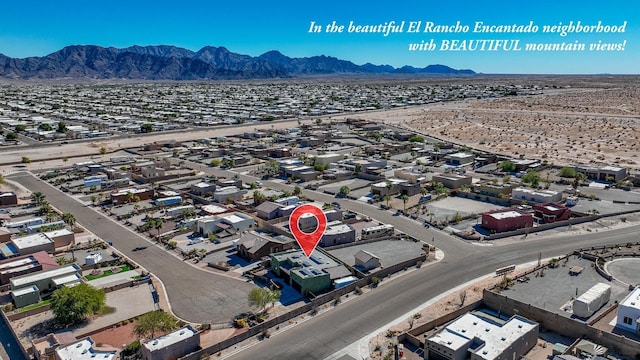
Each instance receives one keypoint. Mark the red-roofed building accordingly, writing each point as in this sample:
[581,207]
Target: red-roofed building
[551,212]
[506,220]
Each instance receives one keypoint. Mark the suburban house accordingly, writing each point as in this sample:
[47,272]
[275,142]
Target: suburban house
[628,317]
[224,194]
[314,274]
[232,223]
[131,195]
[253,246]
[302,172]
[536,196]
[494,190]
[26,289]
[202,188]
[85,349]
[327,159]
[268,210]
[337,233]
[26,264]
[452,181]
[460,159]
[606,173]
[526,164]
[551,212]
[410,175]
[8,198]
[389,187]
[173,345]
[479,336]
[506,220]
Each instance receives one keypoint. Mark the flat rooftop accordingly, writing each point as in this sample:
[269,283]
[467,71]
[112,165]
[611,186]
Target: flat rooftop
[83,350]
[20,281]
[497,337]
[633,299]
[170,338]
[17,263]
[31,241]
[506,214]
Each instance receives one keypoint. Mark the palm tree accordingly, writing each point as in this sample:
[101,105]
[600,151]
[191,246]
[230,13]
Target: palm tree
[158,224]
[45,208]
[69,219]
[404,198]
[37,198]
[387,198]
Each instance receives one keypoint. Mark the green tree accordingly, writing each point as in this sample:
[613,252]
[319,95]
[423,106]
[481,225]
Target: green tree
[45,127]
[20,128]
[71,305]
[103,150]
[260,298]
[297,190]
[152,322]
[37,198]
[26,160]
[272,168]
[567,172]
[258,197]
[416,138]
[11,136]
[215,162]
[62,127]
[146,128]
[2,180]
[531,177]
[507,166]
[438,188]
[344,190]
[506,179]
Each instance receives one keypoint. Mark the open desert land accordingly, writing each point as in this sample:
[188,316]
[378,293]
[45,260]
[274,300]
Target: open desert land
[582,123]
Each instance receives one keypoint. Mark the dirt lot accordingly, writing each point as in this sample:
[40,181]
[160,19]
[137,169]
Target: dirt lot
[586,123]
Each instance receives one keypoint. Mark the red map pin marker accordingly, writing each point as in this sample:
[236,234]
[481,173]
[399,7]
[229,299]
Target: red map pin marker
[307,241]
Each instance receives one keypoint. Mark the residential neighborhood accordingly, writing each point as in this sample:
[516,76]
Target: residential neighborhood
[194,231]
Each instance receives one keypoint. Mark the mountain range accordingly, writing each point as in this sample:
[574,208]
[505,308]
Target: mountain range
[164,62]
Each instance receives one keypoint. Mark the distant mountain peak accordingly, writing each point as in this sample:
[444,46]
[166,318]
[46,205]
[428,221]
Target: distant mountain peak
[168,62]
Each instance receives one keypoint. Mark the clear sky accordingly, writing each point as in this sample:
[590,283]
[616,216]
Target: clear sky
[38,27]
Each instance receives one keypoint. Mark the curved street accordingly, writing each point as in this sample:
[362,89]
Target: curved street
[201,296]
[195,295]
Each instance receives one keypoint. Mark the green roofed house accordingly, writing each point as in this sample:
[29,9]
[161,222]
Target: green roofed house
[48,281]
[307,275]
[25,296]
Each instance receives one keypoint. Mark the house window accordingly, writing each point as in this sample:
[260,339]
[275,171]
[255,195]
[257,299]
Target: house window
[627,320]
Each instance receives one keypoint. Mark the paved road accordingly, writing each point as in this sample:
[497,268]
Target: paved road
[195,295]
[332,331]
